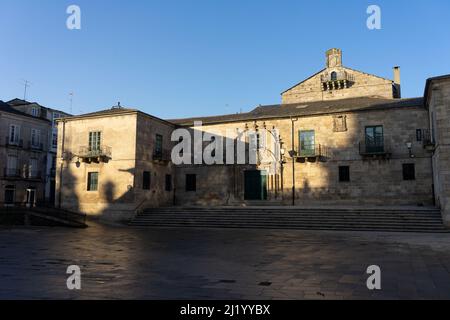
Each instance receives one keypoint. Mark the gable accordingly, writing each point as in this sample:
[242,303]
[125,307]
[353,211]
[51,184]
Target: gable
[338,83]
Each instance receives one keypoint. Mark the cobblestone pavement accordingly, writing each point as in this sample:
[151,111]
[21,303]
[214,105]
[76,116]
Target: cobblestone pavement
[126,263]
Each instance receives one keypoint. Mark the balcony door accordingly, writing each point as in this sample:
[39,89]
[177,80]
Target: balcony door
[307,143]
[374,139]
[14,134]
[31,197]
[95,141]
[11,166]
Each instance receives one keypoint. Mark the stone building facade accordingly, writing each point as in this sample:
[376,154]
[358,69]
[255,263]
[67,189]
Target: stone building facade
[38,111]
[113,163]
[437,102]
[340,137]
[23,156]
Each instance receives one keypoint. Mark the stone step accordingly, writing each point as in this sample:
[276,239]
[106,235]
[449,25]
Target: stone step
[334,222]
[261,210]
[299,227]
[297,216]
[379,219]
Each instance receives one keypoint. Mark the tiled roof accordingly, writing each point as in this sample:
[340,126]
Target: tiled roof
[4,107]
[111,111]
[308,109]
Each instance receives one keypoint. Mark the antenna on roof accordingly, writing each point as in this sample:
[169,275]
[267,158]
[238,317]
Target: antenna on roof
[26,85]
[71,94]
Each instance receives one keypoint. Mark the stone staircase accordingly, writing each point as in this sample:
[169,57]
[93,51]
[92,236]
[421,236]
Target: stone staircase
[295,218]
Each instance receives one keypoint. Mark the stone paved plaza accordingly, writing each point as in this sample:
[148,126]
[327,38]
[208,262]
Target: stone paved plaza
[126,263]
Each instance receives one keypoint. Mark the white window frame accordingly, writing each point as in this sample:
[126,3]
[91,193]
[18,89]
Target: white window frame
[35,137]
[35,112]
[14,134]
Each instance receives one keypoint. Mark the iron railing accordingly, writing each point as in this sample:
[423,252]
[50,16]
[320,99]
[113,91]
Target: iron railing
[162,155]
[373,147]
[35,146]
[34,174]
[13,142]
[11,173]
[97,152]
[313,151]
[339,76]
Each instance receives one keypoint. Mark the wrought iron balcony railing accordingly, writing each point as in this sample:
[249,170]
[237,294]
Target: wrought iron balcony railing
[162,155]
[11,173]
[35,146]
[338,76]
[313,151]
[13,142]
[428,139]
[88,154]
[34,175]
[374,148]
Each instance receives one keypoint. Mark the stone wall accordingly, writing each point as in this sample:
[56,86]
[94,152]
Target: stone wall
[364,85]
[373,181]
[114,197]
[131,137]
[439,112]
[23,154]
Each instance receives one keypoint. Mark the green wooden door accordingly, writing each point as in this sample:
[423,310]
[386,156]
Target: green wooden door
[255,185]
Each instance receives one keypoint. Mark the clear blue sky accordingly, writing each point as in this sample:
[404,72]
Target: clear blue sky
[204,57]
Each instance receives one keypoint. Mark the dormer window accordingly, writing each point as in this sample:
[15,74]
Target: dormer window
[35,112]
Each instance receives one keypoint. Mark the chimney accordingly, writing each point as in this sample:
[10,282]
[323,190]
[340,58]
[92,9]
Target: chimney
[397,83]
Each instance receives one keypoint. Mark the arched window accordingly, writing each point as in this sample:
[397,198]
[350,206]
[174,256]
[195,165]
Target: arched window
[333,76]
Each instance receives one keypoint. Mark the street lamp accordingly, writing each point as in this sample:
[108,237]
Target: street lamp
[409,146]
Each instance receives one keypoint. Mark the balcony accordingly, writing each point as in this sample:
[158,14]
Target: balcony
[12,173]
[374,149]
[34,175]
[336,80]
[35,146]
[95,155]
[313,153]
[428,140]
[162,156]
[13,142]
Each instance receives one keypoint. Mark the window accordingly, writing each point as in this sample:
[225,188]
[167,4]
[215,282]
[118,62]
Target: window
[12,163]
[14,134]
[55,140]
[35,112]
[95,140]
[344,174]
[10,192]
[33,168]
[146,180]
[56,116]
[374,139]
[35,137]
[168,182]
[419,135]
[92,181]
[307,143]
[191,182]
[409,171]
[333,76]
[253,141]
[158,145]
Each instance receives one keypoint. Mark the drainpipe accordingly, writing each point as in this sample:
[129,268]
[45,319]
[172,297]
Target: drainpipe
[293,153]
[62,164]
